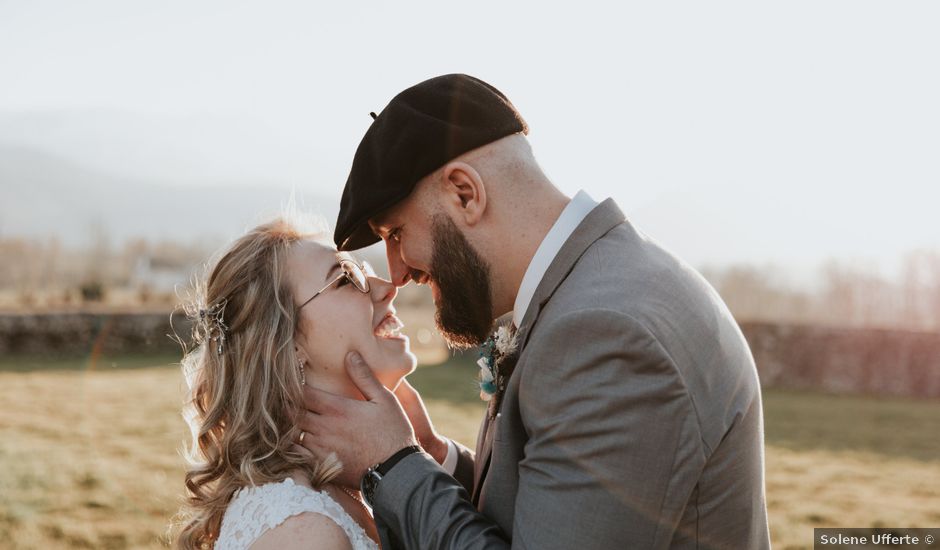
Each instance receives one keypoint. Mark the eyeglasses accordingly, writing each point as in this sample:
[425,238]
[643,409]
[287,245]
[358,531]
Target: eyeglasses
[354,273]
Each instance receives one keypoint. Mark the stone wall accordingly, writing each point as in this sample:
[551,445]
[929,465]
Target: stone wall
[76,334]
[862,361]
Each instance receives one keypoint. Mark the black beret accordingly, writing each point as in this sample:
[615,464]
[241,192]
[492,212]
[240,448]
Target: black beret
[421,129]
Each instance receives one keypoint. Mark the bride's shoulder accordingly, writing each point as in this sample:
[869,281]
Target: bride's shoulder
[276,496]
[304,530]
[267,515]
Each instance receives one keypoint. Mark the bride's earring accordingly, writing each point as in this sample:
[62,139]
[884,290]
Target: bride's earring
[303,377]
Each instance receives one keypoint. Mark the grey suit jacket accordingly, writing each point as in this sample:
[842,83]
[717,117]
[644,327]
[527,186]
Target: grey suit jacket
[632,420]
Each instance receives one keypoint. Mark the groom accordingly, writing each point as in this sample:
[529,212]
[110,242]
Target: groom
[629,415]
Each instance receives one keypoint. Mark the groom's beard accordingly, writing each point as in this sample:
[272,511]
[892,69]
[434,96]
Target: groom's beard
[465,307]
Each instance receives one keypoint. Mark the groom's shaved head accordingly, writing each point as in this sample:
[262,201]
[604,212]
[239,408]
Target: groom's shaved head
[509,155]
[507,167]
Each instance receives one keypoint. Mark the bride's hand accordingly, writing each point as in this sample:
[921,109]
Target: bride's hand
[430,441]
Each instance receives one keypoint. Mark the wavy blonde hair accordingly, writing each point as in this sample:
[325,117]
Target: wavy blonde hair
[243,402]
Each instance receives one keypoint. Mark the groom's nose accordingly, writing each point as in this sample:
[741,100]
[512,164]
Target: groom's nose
[398,270]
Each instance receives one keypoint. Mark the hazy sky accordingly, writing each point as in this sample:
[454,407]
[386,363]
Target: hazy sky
[758,132]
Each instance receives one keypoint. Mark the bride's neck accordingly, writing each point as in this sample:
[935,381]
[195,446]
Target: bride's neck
[335,382]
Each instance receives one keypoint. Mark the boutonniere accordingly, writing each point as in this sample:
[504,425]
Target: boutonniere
[492,354]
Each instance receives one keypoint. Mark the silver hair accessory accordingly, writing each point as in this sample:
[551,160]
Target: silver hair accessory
[212,325]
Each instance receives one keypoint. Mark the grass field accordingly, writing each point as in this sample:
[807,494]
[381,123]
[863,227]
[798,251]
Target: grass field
[88,453]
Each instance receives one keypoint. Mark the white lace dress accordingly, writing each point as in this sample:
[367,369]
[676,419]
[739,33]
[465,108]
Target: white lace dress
[254,510]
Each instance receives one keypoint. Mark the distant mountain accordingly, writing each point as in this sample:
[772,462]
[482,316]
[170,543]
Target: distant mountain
[44,195]
[196,149]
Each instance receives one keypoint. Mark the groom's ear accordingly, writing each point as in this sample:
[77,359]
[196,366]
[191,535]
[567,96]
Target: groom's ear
[464,192]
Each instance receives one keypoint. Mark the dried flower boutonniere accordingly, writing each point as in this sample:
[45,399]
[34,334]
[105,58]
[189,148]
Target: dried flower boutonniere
[493,353]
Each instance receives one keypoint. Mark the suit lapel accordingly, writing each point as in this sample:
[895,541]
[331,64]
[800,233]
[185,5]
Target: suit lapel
[595,225]
[484,448]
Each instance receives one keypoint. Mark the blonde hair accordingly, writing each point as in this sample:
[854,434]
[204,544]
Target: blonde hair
[245,387]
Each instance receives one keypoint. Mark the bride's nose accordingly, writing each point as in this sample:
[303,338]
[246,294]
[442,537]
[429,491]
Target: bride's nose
[382,290]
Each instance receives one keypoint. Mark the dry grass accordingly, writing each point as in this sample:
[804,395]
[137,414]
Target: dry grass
[88,456]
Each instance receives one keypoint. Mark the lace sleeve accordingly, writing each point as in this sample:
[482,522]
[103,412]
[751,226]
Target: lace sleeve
[254,510]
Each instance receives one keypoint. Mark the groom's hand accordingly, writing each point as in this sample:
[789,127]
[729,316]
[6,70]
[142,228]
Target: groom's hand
[361,433]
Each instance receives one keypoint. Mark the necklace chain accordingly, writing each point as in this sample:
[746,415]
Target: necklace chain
[354,496]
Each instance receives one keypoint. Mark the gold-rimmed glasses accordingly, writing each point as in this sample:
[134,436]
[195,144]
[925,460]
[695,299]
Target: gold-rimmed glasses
[354,273]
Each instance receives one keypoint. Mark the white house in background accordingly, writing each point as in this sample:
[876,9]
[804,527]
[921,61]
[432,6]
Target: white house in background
[160,275]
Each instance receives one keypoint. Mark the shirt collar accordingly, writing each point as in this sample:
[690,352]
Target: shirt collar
[572,216]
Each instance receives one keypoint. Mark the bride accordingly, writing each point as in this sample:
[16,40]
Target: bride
[280,309]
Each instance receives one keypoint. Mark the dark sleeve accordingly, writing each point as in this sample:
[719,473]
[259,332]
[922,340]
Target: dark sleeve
[424,507]
[463,473]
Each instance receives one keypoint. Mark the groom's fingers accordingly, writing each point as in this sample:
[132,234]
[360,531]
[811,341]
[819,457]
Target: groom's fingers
[322,402]
[363,377]
[310,424]
[311,451]
[303,451]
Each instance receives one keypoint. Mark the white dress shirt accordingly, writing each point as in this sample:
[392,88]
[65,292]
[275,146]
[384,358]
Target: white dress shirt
[572,216]
[450,462]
